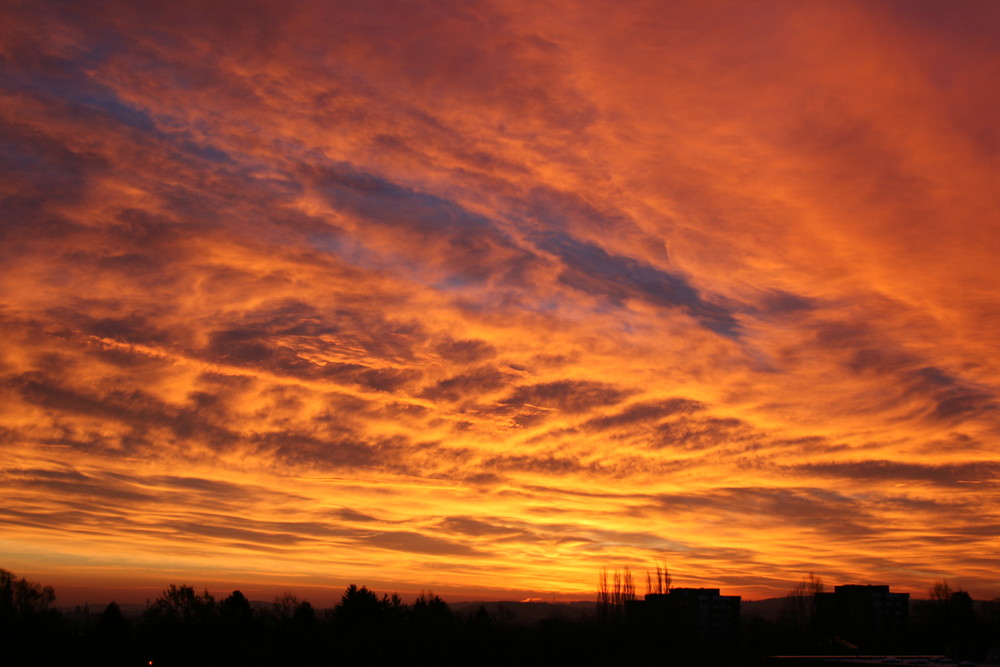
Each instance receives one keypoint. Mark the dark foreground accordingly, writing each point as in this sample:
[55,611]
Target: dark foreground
[183,627]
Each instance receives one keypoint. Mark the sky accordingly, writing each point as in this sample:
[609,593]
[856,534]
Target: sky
[481,297]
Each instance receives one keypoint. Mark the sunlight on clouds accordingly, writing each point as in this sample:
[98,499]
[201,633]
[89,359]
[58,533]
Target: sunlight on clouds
[482,299]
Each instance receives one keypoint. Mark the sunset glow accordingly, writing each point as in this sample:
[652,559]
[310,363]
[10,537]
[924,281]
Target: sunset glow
[480,297]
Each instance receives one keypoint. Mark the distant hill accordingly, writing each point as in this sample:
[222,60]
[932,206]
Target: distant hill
[131,611]
[770,608]
[526,613]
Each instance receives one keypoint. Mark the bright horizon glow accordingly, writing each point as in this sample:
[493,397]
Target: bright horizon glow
[479,298]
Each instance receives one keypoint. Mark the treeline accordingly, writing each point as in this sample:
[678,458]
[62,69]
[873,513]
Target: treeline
[26,615]
[951,618]
[185,627]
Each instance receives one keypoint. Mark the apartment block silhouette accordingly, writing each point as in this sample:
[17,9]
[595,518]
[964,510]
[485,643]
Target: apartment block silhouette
[871,618]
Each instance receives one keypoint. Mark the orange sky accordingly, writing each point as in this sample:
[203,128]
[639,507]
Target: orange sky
[481,297]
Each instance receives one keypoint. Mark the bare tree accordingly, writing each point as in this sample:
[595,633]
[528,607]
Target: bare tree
[613,599]
[800,607]
[616,591]
[658,583]
[603,595]
[940,591]
[181,603]
[285,604]
[628,588]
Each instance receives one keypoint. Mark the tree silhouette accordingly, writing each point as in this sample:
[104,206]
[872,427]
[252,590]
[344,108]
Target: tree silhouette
[21,598]
[285,604]
[182,603]
[236,607]
[114,639]
[799,612]
[613,598]
[360,619]
[27,621]
[304,615]
[112,622]
[181,626]
[358,608]
[658,584]
[238,637]
[429,609]
[948,618]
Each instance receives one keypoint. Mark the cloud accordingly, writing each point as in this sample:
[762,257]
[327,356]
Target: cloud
[589,268]
[700,434]
[948,474]
[644,412]
[348,514]
[483,380]
[817,509]
[567,395]
[395,290]
[465,246]
[955,399]
[416,543]
[478,528]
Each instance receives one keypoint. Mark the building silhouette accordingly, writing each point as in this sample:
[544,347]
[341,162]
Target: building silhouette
[871,618]
[695,615]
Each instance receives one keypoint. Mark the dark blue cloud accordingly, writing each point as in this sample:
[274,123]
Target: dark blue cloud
[469,245]
[953,399]
[590,268]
